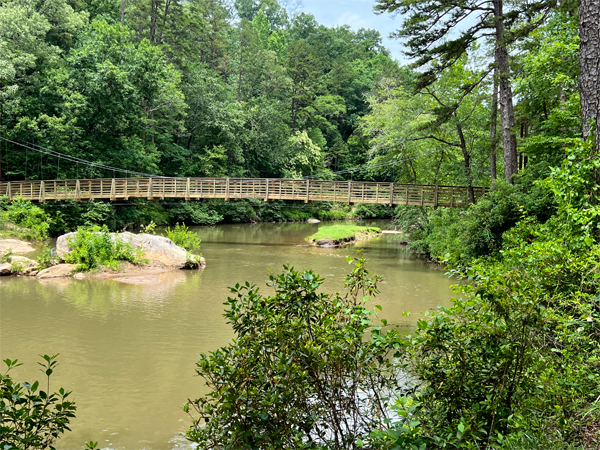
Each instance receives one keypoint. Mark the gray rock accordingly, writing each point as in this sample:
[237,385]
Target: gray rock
[61,270]
[156,248]
[5,269]
[313,221]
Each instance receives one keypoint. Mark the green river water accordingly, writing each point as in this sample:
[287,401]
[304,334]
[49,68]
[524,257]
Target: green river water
[128,352]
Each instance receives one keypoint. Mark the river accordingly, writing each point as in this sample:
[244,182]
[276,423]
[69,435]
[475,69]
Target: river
[128,352]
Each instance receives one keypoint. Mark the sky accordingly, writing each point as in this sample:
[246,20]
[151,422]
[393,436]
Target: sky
[357,14]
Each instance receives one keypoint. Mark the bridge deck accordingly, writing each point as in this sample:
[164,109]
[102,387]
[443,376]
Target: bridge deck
[238,188]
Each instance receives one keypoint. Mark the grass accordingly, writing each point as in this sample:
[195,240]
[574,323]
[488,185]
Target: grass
[342,233]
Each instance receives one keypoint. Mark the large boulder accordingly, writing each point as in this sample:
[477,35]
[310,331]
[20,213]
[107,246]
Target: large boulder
[156,248]
[61,270]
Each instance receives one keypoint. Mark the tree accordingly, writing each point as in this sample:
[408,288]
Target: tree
[299,373]
[589,63]
[429,25]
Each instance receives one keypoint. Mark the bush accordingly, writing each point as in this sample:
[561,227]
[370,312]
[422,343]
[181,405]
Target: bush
[23,220]
[183,237]
[459,236]
[94,247]
[299,373]
[48,258]
[514,362]
[31,418]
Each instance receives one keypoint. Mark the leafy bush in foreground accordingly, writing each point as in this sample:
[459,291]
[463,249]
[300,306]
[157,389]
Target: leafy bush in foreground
[95,247]
[32,418]
[515,361]
[299,373]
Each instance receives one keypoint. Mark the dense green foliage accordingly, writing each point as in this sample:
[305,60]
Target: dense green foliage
[23,220]
[183,237]
[31,417]
[514,362]
[200,88]
[95,247]
[299,373]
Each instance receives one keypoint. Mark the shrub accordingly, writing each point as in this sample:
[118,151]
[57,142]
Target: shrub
[7,255]
[23,220]
[459,236]
[95,247]
[299,373]
[32,418]
[48,258]
[183,237]
[518,353]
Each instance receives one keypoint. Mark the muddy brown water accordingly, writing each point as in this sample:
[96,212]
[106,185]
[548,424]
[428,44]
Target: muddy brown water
[128,351]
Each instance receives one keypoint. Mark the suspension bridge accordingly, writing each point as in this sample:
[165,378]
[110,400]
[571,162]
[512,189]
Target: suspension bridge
[230,189]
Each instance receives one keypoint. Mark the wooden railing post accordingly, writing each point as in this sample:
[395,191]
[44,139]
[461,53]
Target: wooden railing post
[307,191]
[42,197]
[435,199]
[349,192]
[267,192]
[8,191]
[391,194]
[150,193]
[227,190]
[77,191]
[187,189]
[113,189]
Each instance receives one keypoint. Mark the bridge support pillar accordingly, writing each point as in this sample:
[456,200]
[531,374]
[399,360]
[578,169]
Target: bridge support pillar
[227,189]
[8,192]
[187,189]
[113,189]
[77,191]
[42,196]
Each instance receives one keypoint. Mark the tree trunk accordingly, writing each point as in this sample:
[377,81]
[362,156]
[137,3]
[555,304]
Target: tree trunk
[589,65]
[494,131]
[467,162]
[507,113]
[122,13]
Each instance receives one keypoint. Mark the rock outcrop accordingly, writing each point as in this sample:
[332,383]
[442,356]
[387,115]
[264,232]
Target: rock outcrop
[61,270]
[16,246]
[158,249]
[5,269]
[313,221]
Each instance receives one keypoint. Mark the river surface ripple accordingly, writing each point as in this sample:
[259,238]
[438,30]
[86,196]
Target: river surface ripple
[128,352]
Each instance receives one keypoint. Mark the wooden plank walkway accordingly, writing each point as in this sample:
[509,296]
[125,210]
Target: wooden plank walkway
[238,188]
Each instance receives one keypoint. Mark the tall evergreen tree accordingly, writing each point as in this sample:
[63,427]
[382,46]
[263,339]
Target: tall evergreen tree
[429,28]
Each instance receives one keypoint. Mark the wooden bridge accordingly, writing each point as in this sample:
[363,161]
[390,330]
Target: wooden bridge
[238,188]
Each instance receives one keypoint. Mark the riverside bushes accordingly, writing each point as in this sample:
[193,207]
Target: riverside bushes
[94,247]
[515,362]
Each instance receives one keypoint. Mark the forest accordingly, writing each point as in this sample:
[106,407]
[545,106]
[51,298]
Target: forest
[502,95]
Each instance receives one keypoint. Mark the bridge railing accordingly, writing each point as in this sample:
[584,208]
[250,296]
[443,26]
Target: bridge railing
[238,188]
